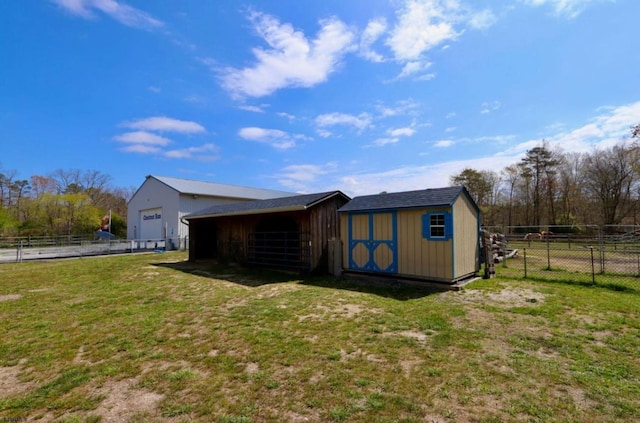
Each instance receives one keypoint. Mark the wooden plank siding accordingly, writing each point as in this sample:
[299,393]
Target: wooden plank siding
[465,238]
[418,256]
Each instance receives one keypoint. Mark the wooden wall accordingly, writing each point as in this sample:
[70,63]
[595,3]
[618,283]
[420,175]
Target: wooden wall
[419,256]
[466,223]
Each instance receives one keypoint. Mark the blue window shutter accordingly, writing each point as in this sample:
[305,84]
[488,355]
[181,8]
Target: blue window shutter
[426,226]
[448,226]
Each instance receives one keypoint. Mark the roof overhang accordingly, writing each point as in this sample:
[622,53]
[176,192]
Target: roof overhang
[249,212]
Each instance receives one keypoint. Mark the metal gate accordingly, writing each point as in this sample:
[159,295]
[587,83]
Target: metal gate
[283,250]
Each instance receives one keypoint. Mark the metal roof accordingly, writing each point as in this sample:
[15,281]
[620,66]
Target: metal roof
[432,197]
[188,186]
[293,203]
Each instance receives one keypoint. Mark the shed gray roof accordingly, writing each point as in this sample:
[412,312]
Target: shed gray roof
[293,203]
[188,186]
[432,197]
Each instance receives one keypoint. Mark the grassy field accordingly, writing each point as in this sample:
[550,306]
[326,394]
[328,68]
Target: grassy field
[152,338]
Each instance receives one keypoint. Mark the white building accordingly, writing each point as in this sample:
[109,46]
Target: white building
[156,209]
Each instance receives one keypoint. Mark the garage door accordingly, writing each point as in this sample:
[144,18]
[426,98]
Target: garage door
[151,224]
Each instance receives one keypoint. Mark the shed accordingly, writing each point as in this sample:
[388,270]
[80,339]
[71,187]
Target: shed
[431,234]
[155,210]
[285,233]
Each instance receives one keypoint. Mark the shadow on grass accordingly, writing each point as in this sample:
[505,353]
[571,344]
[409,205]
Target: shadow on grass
[251,277]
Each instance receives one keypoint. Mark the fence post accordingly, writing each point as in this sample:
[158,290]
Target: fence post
[602,248]
[548,253]
[593,271]
[525,263]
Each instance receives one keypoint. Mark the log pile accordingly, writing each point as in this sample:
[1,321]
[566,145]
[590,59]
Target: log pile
[500,249]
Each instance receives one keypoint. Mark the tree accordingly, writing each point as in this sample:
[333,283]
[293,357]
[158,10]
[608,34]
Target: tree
[539,167]
[571,199]
[41,185]
[475,182]
[511,177]
[612,178]
[91,182]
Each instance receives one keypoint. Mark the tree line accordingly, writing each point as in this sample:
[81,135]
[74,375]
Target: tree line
[551,187]
[64,202]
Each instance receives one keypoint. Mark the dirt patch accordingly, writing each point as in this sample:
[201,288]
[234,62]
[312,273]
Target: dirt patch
[340,311]
[276,290]
[123,401]
[418,336]
[509,297]
[10,297]
[10,383]
[252,368]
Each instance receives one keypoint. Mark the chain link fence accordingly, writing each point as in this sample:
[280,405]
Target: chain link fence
[589,254]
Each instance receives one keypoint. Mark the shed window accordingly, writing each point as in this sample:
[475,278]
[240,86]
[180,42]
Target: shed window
[437,226]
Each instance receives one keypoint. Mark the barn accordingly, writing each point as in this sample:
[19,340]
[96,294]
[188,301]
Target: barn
[289,233]
[155,210]
[431,234]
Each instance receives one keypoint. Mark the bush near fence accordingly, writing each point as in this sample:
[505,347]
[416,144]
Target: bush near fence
[594,255]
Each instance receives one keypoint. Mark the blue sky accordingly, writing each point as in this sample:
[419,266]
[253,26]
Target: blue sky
[362,96]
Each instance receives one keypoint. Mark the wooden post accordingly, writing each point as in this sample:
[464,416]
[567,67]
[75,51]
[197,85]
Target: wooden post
[334,252]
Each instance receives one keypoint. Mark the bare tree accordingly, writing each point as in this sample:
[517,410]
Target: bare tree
[611,177]
[511,177]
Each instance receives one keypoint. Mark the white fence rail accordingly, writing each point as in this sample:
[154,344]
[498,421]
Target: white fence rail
[18,250]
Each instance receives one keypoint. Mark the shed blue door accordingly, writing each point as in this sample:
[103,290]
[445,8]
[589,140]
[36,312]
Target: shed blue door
[373,242]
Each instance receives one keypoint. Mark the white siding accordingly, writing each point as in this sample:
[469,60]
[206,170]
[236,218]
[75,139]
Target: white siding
[151,195]
[155,195]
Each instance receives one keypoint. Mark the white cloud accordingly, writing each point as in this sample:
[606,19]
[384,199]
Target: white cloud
[402,107]
[307,177]
[450,129]
[121,12]
[255,109]
[201,153]
[273,137]
[611,126]
[444,143]
[414,67]
[602,131]
[291,59]
[360,122]
[141,149]
[565,8]
[165,124]
[375,28]
[402,132]
[142,137]
[422,25]
[488,107]
[154,89]
[286,115]
[482,20]
[384,141]
[450,115]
